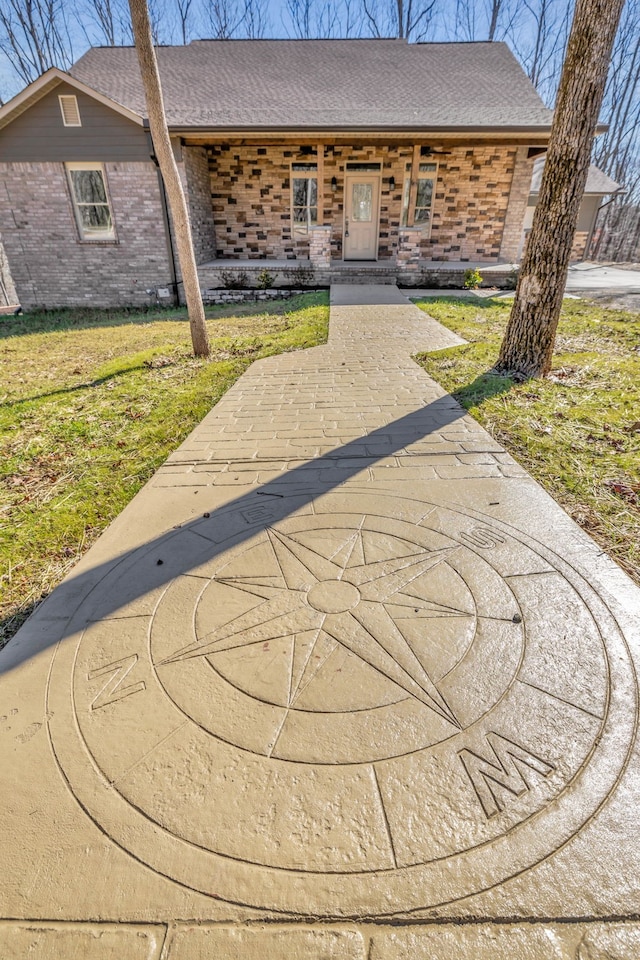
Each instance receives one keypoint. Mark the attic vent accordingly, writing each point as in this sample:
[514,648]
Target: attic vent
[69,110]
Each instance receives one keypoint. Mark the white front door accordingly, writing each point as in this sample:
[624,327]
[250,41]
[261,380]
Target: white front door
[362,199]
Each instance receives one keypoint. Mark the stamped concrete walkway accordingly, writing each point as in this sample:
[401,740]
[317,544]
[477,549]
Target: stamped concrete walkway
[341,682]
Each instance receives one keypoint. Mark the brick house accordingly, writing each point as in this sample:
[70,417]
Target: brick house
[316,156]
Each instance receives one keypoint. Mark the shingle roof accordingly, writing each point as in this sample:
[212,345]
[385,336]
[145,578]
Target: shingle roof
[320,84]
[597,181]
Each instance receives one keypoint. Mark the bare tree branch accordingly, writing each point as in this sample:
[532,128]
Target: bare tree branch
[183,10]
[256,19]
[618,151]
[34,36]
[225,18]
[539,37]
[409,19]
[315,19]
[106,22]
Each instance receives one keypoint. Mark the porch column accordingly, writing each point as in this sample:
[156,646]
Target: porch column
[320,182]
[513,229]
[320,247]
[409,253]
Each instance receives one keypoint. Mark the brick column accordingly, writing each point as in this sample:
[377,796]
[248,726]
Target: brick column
[409,254]
[320,247]
[518,197]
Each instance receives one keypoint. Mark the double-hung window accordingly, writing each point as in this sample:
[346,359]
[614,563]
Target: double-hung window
[304,196]
[91,204]
[417,206]
[424,193]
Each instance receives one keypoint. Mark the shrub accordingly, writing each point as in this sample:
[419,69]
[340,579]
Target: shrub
[302,276]
[472,279]
[265,279]
[234,279]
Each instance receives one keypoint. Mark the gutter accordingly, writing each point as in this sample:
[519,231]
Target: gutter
[405,131]
[165,216]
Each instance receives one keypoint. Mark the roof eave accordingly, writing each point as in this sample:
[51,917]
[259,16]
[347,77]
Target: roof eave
[542,130]
[48,82]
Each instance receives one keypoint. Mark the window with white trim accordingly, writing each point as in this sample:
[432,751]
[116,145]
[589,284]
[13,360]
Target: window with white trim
[406,196]
[425,186]
[304,196]
[69,110]
[425,192]
[88,187]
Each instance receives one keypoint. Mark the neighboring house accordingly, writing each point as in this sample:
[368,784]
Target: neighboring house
[307,153]
[599,186]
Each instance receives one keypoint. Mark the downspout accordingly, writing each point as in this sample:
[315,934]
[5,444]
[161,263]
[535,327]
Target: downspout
[165,217]
[614,196]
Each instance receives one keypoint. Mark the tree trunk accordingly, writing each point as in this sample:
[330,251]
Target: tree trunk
[170,175]
[529,339]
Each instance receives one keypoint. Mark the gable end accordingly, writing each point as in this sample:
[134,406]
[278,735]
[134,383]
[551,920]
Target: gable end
[68,125]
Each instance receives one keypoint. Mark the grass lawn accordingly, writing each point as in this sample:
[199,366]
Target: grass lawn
[577,431]
[91,403]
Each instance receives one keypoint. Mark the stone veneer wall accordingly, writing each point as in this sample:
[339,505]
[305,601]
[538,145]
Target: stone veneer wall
[52,267]
[470,206]
[251,191]
[472,217]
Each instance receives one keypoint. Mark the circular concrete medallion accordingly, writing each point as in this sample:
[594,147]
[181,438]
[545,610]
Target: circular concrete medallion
[369,707]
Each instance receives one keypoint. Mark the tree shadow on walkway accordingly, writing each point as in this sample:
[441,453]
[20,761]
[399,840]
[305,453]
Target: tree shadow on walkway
[133,573]
[485,387]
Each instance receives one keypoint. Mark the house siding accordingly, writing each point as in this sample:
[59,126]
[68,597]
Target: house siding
[584,229]
[51,266]
[472,218]
[39,134]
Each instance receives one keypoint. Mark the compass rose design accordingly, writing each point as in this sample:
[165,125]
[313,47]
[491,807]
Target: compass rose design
[345,710]
[338,599]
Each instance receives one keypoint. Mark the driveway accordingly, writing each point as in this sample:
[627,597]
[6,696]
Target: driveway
[610,284]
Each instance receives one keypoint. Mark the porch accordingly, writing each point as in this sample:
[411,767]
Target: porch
[278,215]
[272,275]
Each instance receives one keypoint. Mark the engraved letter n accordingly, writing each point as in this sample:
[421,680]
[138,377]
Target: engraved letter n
[113,689]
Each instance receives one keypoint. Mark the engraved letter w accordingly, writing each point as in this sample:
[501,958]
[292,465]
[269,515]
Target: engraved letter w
[113,689]
[507,773]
